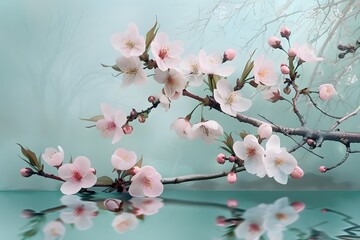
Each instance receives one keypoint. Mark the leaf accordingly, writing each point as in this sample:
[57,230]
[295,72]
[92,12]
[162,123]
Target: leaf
[226,149]
[115,67]
[104,180]
[247,69]
[150,35]
[243,134]
[93,119]
[33,161]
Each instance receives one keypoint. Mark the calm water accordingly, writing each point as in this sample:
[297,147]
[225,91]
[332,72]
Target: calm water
[177,215]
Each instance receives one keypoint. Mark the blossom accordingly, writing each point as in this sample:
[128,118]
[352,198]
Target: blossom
[231,177]
[265,130]
[111,124]
[54,230]
[123,159]
[306,53]
[146,182]
[166,53]
[326,91]
[274,42]
[271,94]
[78,212]
[146,206]
[53,157]
[253,225]
[208,130]
[125,222]
[164,101]
[77,175]
[264,72]
[278,162]
[252,153]
[211,64]
[182,127]
[132,70]
[130,43]
[174,81]
[192,70]
[231,102]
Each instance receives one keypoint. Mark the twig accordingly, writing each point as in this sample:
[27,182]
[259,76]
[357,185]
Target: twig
[348,150]
[294,100]
[338,122]
[322,111]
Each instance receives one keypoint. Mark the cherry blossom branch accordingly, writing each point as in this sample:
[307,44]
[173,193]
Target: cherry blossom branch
[197,177]
[338,122]
[294,100]
[188,94]
[46,175]
[347,154]
[318,108]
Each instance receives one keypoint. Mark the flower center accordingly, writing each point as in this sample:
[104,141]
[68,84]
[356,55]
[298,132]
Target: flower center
[76,175]
[251,151]
[163,53]
[147,182]
[205,130]
[281,216]
[263,73]
[254,228]
[79,211]
[130,71]
[231,99]
[54,232]
[279,161]
[130,44]
[111,126]
[195,68]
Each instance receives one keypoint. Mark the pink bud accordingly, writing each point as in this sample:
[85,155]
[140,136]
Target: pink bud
[221,158]
[26,172]
[220,221]
[27,213]
[151,99]
[141,118]
[285,32]
[127,129]
[265,130]
[292,52]
[311,142]
[133,113]
[113,205]
[324,210]
[232,203]
[274,42]
[297,173]
[231,177]
[326,91]
[322,169]
[229,54]
[284,69]
[94,214]
[135,169]
[298,206]
[232,158]
[92,170]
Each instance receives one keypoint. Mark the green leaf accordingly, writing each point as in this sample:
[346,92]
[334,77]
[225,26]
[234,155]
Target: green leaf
[115,67]
[150,35]
[226,149]
[247,69]
[243,134]
[30,155]
[93,119]
[105,180]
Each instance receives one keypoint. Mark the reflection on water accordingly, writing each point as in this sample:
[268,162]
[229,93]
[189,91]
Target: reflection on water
[184,215]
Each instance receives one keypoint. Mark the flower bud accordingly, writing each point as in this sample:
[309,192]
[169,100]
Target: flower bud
[311,142]
[298,206]
[232,158]
[341,55]
[285,32]
[341,47]
[232,203]
[92,170]
[284,69]
[292,52]
[127,129]
[113,205]
[297,173]
[220,221]
[322,169]
[326,91]
[135,169]
[231,177]
[287,90]
[229,54]
[265,130]
[221,158]
[142,119]
[27,213]
[151,99]
[26,172]
[274,42]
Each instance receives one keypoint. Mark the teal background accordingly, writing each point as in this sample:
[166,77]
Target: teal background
[50,77]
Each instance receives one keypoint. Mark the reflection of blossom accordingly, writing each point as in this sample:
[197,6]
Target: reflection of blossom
[209,130]
[146,182]
[132,70]
[111,124]
[125,222]
[146,206]
[53,157]
[231,102]
[129,43]
[77,175]
[123,159]
[54,230]
[78,212]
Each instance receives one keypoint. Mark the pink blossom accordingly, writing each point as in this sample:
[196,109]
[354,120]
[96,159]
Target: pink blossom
[130,43]
[78,212]
[54,230]
[253,225]
[125,222]
[123,159]
[221,158]
[146,182]
[174,81]
[265,130]
[53,157]
[77,175]
[229,54]
[208,130]
[297,173]
[231,177]
[146,206]
[26,172]
[264,72]
[192,70]
[232,203]
[271,94]
[284,69]
[285,32]
[166,53]
[182,127]
[113,205]
[274,42]
[127,129]
[132,71]
[111,125]
[212,64]
[326,91]
[306,53]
